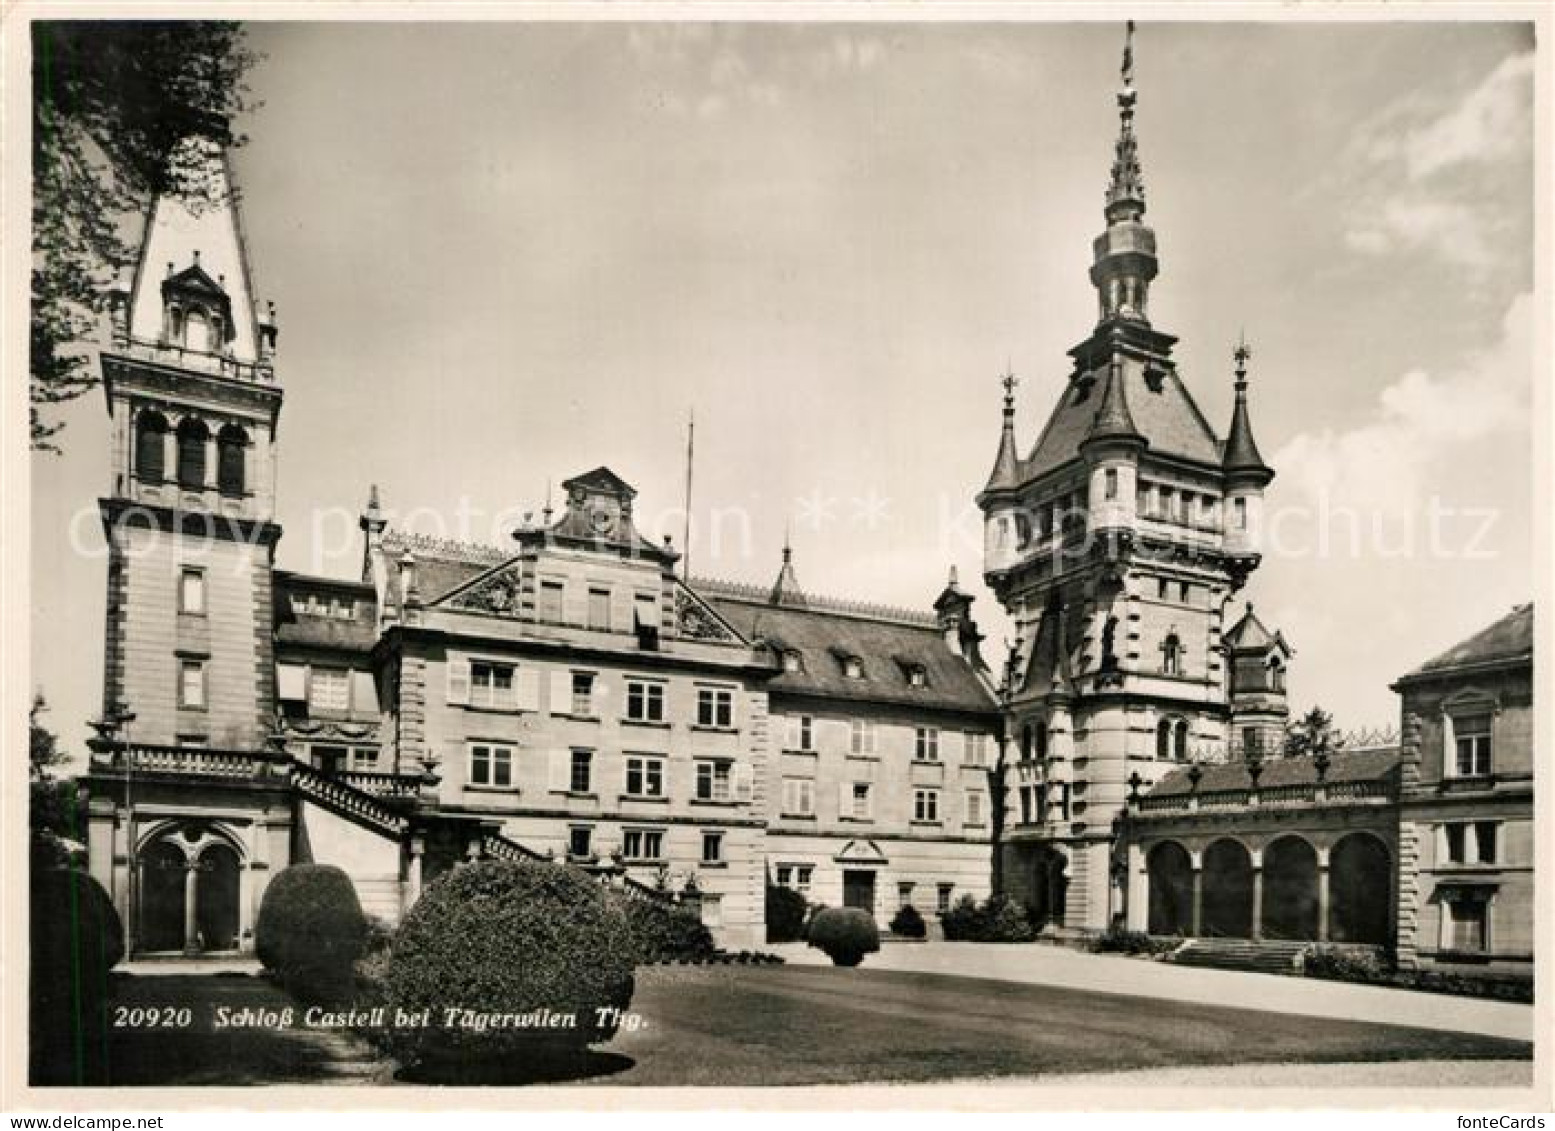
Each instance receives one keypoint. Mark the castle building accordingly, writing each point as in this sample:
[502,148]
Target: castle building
[1116,544]
[567,696]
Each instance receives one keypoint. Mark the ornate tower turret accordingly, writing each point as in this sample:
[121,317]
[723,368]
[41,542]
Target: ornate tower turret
[1002,522]
[1125,260]
[1111,448]
[1246,475]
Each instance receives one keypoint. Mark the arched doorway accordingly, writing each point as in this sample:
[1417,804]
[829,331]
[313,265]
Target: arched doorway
[1171,889]
[216,899]
[161,919]
[1290,889]
[1360,882]
[1228,891]
[1049,887]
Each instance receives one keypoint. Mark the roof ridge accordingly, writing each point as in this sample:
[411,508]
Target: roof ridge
[446,547]
[757,594]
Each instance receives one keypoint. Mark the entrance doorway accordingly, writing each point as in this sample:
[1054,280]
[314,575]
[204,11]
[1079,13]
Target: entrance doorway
[189,894]
[162,880]
[858,890]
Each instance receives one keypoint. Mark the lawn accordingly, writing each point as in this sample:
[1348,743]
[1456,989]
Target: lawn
[787,1025]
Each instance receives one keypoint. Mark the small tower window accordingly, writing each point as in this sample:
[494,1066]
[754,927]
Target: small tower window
[150,431]
[1239,513]
[230,444]
[1110,478]
[1171,655]
[192,435]
[1163,740]
[1276,674]
[1041,742]
[1180,740]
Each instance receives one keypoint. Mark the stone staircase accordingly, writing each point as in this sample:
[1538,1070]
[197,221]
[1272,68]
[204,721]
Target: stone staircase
[1269,956]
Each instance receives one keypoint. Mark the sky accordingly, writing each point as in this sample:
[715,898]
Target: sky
[504,254]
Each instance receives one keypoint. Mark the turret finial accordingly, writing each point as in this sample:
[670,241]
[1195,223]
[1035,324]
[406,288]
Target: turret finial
[1009,381]
[1241,354]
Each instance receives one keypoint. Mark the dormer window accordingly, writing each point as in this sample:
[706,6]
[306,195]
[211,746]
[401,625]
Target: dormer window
[917,675]
[793,661]
[853,667]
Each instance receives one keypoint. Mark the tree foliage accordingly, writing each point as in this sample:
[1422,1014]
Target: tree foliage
[111,100]
[1312,734]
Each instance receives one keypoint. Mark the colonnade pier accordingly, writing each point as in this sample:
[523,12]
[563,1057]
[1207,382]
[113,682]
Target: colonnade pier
[1297,849]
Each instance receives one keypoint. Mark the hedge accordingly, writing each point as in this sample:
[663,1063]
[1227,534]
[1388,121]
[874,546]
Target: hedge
[785,914]
[311,931]
[76,939]
[1116,940]
[537,943]
[1377,966]
[666,932]
[997,919]
[908,923]
[844,934]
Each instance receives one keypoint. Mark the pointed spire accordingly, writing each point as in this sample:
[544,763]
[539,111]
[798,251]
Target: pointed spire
[786,590]
[1241,455]
[1126,189]
[1005,475]
[1113,421]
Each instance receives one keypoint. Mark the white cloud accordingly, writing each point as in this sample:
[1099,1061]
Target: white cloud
[1381,468]
[1454,231]
[1487,125]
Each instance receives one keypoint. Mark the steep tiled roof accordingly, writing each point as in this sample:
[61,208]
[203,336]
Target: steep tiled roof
[1509,638]
[1361,765]
[885,642]
[442,565]
[1169,419]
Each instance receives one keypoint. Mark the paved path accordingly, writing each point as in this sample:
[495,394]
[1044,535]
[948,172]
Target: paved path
[1039,964]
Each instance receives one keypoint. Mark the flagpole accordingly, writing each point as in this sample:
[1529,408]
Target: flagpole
[691,426]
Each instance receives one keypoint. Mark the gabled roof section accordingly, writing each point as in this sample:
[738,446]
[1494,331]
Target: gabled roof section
[1359,765]
[603,481]
[887,642]
[1250,634]
[1508,639]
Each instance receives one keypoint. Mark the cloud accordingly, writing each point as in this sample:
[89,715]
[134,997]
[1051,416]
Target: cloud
[1454,231]
[1382,467]
[1488,125]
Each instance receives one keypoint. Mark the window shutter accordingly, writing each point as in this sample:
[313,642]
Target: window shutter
[744,784]
[291,682]
[561,692]
[528,688]
[364,693]
[458,679]
[561,770]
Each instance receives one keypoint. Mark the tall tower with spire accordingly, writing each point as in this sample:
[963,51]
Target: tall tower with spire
[1115,544]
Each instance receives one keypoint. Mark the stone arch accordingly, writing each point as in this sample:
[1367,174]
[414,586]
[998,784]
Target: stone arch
[191,888]
[1290,901]
[231,454]
[192,437]
[1360,884]
[1170,872]
[150,445]
[1227,882]
[1180,740]
[1163,740]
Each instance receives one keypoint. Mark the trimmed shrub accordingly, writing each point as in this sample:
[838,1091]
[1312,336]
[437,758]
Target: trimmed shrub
[908,923]
[311,931]
[1117,940]
[785,914]
[76,939]
[666,932]
[845,934]
[997,919]
[1346,963]
[539,945]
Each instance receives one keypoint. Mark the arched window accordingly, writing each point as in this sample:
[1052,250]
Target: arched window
[1180,740]
[1163,740]
[230,442]
[197,331]
[1171,655]
[1041,741]
[1276,674]
[192,435]
[150,464]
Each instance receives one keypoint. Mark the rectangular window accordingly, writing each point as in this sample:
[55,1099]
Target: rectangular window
[1456,850]
[644,701]
[802,874]
[191,684]
[583,694]
[580,841]
[1472,735]
[580,777]
[1184,592]
[799,797]
[1239,513]
[329,689]
[645,777]
[926,745]
[1110,476]
[712,848]
[191,591]
[925,805]
[491,765]
[1467,924]
[806,733]
[639,845]
[715,707]
[713,781]
[491,685]
[1025,804]
[599,610]
[364,759]
[974,749]
[784,875]
[904,893]
[861,736]
[942,894]
[1485,841]
[328,759]
[974,808]
[551,602]
[861,801]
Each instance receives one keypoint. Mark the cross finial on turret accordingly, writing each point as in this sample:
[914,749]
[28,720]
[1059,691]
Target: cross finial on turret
[1242,352]
[1009,381]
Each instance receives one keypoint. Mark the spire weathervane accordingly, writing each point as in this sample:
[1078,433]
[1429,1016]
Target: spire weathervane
[1128,55]
[1242,352]
[1009,381]
[1126,191]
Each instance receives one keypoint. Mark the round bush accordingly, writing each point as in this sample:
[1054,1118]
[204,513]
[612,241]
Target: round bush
[509,957]
[908,923]
[785,914]
[311,931]
[76,939]
[844,934]
[666,932]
